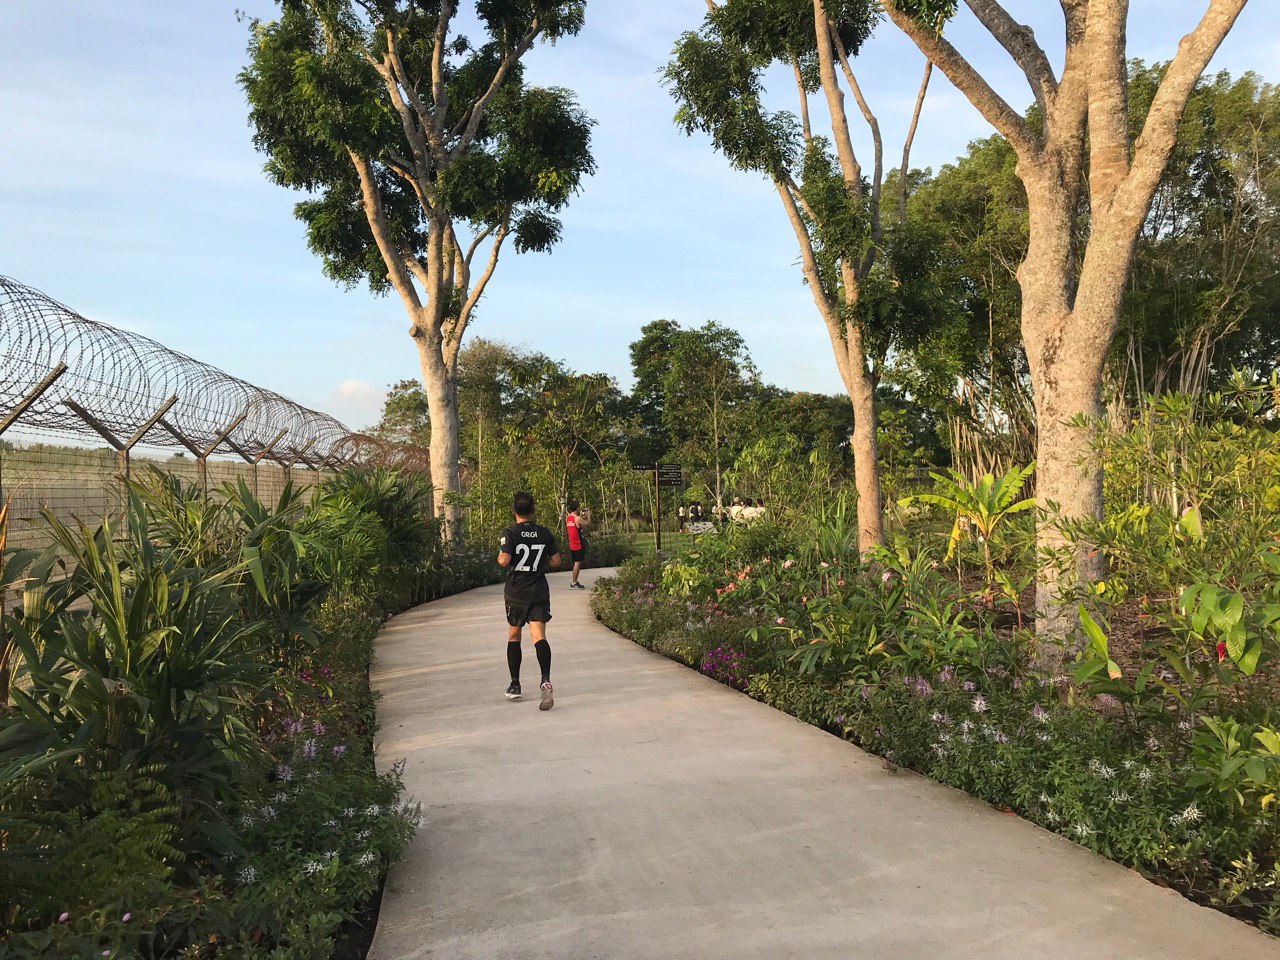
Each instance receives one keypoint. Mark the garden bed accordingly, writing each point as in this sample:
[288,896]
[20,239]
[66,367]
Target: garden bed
[952,696]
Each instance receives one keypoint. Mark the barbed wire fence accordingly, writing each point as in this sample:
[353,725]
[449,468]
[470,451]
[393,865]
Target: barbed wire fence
[68,384]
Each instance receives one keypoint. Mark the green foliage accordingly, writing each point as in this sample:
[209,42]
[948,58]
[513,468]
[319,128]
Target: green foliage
[979,506]
[187,765]
[316,96]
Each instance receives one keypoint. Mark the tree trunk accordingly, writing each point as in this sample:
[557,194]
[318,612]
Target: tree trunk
[1068,478]
[442,407]
[866,462]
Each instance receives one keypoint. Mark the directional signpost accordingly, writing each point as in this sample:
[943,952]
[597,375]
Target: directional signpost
[664,475]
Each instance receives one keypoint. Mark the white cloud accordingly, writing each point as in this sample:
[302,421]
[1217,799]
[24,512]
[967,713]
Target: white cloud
[356,403]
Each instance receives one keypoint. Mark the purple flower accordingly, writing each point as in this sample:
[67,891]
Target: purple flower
[1038,712]
[318,728]
[126,918]
[969,686]
[339,750]
[64,917]
[922,687]
[309,750]
[947,675]
[864,691]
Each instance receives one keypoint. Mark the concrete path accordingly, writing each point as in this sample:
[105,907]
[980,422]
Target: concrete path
[657,814]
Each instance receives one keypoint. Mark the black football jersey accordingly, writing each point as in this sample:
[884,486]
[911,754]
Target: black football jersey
[531,548]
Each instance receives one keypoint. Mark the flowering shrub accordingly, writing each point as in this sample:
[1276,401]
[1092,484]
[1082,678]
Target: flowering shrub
[727,665]
[189,770]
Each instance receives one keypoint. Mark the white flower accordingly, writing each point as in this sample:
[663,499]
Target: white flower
[312,866]
[247,875]
[363,835]
[1190,815]
[979,704]
[1101,770]
[348,813]
[367,858]
[373,810]
[1044,798]
[268,813]
[331,855]
[1145,775]
[1082,830]
[1119,796]
[247,820]
[1052,817]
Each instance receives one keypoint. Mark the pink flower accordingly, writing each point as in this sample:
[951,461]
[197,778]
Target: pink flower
[781,620]
[788,564]
[64,917]
[886,576]
[839,583]
[824,564]
[126,918]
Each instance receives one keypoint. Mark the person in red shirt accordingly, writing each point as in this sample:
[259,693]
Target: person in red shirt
[574,524]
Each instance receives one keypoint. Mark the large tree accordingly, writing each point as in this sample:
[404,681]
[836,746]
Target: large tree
[831,201]
[1076,153]
[706,390]
[423,152]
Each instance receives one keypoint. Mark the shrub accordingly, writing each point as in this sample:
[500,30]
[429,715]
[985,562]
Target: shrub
[187,770]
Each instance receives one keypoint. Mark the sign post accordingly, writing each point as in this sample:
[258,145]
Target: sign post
[664,475]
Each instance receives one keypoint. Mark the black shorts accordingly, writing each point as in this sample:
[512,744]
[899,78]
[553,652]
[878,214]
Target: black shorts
[577,556]
[522,610]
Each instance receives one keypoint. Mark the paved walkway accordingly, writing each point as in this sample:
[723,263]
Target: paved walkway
[656,814]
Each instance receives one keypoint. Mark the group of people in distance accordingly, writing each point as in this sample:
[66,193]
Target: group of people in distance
[739,511]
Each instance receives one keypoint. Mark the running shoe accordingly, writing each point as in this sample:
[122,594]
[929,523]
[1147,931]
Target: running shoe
[548,701]
[513,691]
[577,586]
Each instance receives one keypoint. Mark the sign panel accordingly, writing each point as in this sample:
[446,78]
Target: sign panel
[670,475]
[645,467]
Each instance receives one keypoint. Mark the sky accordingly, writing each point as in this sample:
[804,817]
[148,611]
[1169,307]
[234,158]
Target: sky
[130,190]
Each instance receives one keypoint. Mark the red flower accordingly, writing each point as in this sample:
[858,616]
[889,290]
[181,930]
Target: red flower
[1222,651]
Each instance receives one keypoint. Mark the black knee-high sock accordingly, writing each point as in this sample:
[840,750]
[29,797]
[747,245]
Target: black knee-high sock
[543,650]
[513,658]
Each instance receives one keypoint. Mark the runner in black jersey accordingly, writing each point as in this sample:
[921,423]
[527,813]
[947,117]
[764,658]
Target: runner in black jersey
[528,551]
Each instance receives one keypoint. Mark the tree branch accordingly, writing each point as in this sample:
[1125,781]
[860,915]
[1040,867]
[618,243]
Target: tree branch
[476,113]
[813,274]
[905,170]
[1108,110]
[454,338]
[804,100]
[993,107]
[376,216]
[1160,131]
[877,176]
[439,90]
[1020,42]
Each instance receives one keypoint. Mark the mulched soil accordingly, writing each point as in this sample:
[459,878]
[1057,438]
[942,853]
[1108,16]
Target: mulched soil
[355,937]
[1133,639]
